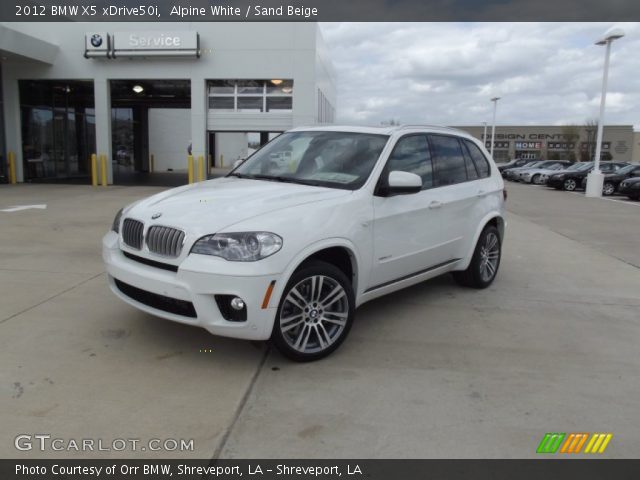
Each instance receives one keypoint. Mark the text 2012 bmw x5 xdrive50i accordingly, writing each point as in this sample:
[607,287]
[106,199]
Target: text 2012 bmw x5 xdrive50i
[312,225]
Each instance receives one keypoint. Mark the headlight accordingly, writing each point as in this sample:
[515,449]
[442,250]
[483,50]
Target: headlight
[559,176]
[239,247]
[116,221]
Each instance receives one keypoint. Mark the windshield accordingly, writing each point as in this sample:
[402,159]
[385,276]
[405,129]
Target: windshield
[627,169]
[584,166]
[575,166]
[328,159]
[530,164]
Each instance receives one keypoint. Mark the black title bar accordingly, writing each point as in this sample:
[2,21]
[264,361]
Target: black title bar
[316,10]
[543,468]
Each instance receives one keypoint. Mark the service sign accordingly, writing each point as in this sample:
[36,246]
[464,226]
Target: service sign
[156,43]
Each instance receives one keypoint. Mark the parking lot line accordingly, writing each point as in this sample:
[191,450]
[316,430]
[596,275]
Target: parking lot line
[626,202]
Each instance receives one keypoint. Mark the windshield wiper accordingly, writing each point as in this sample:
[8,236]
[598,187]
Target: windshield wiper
[240,175]
[279,178]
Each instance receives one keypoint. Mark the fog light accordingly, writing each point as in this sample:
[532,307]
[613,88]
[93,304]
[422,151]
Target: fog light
[237,303]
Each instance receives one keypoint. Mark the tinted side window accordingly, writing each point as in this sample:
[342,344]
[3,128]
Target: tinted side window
[411,154]
[447,154]
[472,172]
[479,159]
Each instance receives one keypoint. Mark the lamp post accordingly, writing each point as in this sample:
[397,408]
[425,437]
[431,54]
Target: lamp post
[595,179]
[484,134]
[493,127]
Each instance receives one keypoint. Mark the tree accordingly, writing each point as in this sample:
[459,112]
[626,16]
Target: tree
[571,134]
[591,127]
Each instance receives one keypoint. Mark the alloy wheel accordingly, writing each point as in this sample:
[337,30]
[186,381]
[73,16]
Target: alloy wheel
[608,189]
[570,184]
[314,314]
[489,257]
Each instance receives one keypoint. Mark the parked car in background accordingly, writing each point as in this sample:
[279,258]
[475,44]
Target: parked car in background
[534,175]
[612,180]
[515,163]
[510,173]
[630,187]
[261,254]
[571,180]
[574,166]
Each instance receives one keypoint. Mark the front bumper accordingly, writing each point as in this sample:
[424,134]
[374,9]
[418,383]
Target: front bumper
[629,188]
[196,282]
[555,182]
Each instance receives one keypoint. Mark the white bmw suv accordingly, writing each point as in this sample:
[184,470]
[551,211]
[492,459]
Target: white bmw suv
[289,250]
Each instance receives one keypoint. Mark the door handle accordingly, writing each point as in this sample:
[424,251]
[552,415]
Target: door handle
[435,204]
[481,193]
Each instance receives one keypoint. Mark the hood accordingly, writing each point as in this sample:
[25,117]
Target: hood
[216,204]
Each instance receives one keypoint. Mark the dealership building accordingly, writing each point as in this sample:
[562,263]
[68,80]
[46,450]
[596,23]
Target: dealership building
[619,142]
[144,95]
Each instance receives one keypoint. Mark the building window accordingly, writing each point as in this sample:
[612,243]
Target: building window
[251,96]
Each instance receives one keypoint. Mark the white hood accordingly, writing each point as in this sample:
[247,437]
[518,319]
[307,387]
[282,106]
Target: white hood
[216,204]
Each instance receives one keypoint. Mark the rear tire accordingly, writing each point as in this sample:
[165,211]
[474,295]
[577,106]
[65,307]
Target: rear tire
[569,185]
[485,262]
[315,313]
[608,189]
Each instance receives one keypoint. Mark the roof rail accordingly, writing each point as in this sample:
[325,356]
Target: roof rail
[402,127]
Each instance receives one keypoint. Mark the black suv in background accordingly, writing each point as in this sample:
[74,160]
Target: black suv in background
[571,180]
[631,188]
[612,180]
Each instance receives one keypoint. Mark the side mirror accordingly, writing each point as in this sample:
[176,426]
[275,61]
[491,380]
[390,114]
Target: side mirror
[402,183]
[238,162]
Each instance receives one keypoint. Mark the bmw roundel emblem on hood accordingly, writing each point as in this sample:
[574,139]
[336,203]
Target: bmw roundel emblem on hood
[156,215]
[96,40]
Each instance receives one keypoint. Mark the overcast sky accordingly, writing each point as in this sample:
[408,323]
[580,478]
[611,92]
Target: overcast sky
[446,73]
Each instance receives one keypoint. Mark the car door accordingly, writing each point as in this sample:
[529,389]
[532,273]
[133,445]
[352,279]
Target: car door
[461,189]
[408,236]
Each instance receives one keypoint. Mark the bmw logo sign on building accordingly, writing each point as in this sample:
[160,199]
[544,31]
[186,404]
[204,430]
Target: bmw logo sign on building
[96,40]
[96,44]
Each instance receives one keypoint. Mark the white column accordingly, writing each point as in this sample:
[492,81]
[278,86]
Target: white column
[102,94]
[13,132]
[198,119]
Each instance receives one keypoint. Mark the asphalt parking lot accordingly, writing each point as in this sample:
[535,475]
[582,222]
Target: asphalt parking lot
[434,371]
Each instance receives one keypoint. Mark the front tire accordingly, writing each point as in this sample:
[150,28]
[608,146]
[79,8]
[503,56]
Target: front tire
[315,313]
[536,179]
[569,185]
[485,262]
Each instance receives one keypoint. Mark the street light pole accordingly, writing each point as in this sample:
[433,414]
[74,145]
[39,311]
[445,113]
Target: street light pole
[595,179]
[484,134]
[493,127]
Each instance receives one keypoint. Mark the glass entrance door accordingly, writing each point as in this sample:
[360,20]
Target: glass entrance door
[58,130]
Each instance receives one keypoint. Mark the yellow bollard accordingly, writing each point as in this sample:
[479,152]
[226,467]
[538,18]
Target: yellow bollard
[152,161]
[12,167]
[221,161]
[94,170]
[103,169]
[200,168]
[190,168]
